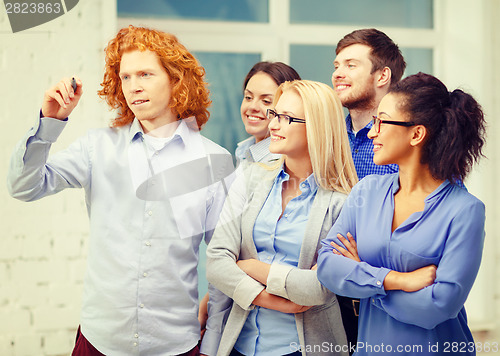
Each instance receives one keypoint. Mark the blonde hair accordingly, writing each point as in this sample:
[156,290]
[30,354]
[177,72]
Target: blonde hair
[326,132]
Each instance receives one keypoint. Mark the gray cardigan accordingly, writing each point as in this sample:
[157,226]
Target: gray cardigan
[320,328]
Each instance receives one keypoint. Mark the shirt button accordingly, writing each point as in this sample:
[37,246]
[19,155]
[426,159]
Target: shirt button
[135,344]
[157,153]
[150,213]
[373,301]
[145,274]
[147,243]
[141,305]
[286,215]
[379,283]
[272,235]
[136,336]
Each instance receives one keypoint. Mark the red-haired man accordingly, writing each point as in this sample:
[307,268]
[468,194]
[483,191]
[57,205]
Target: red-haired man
[154,188]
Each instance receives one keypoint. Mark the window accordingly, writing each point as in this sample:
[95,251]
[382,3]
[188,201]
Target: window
[213,10]
[364,13]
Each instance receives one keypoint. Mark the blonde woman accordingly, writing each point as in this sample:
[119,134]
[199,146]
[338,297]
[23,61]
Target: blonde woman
[263,253]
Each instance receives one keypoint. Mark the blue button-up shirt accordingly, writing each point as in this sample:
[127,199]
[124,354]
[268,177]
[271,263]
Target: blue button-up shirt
[278,240]
[448,233]
[362,152]
[141,285]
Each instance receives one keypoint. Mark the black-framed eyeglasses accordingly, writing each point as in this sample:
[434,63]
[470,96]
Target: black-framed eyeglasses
[377,121]
[271,114]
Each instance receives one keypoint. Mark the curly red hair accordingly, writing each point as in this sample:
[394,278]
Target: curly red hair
[190,95]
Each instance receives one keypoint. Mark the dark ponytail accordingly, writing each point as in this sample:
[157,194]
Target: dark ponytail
[454,121]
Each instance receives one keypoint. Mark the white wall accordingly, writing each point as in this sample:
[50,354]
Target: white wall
[465,44]
[474,63]
[470,43]
[43,244]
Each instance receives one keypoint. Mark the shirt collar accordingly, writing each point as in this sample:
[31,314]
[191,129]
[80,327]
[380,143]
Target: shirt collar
[438,191]
[309,184]
[348,123]
[243,146]
[183,131]
[260,149]
[135,130]
[368,126]
[430,197]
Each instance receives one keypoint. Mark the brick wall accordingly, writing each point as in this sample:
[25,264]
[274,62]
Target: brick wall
[43,244]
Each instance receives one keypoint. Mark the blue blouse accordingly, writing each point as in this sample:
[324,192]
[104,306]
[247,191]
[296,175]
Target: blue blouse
[449,233]
[278,240]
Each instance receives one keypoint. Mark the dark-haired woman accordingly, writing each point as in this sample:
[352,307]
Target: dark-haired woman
[410,244]
[259,87]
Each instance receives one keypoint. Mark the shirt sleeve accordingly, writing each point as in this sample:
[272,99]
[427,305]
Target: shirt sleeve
[219,306]
[224,249]
[455,275]
[32,175]
[340,274]
[300,286]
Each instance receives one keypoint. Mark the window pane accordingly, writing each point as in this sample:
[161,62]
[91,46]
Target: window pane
[418,60]
[315,62]
[220,10]
[368,13]
[225,75]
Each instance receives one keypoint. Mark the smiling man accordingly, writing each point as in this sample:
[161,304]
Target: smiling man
[367,64]
[154,187]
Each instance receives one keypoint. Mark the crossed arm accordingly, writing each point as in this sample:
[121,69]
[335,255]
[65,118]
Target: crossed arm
[405,281]
[260,272]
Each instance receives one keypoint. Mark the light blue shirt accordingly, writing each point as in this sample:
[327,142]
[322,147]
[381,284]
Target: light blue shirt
[449,233]
[146,224]
[249,151]
[278,240]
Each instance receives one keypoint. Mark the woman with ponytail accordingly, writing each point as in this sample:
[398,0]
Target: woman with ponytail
[410,244]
